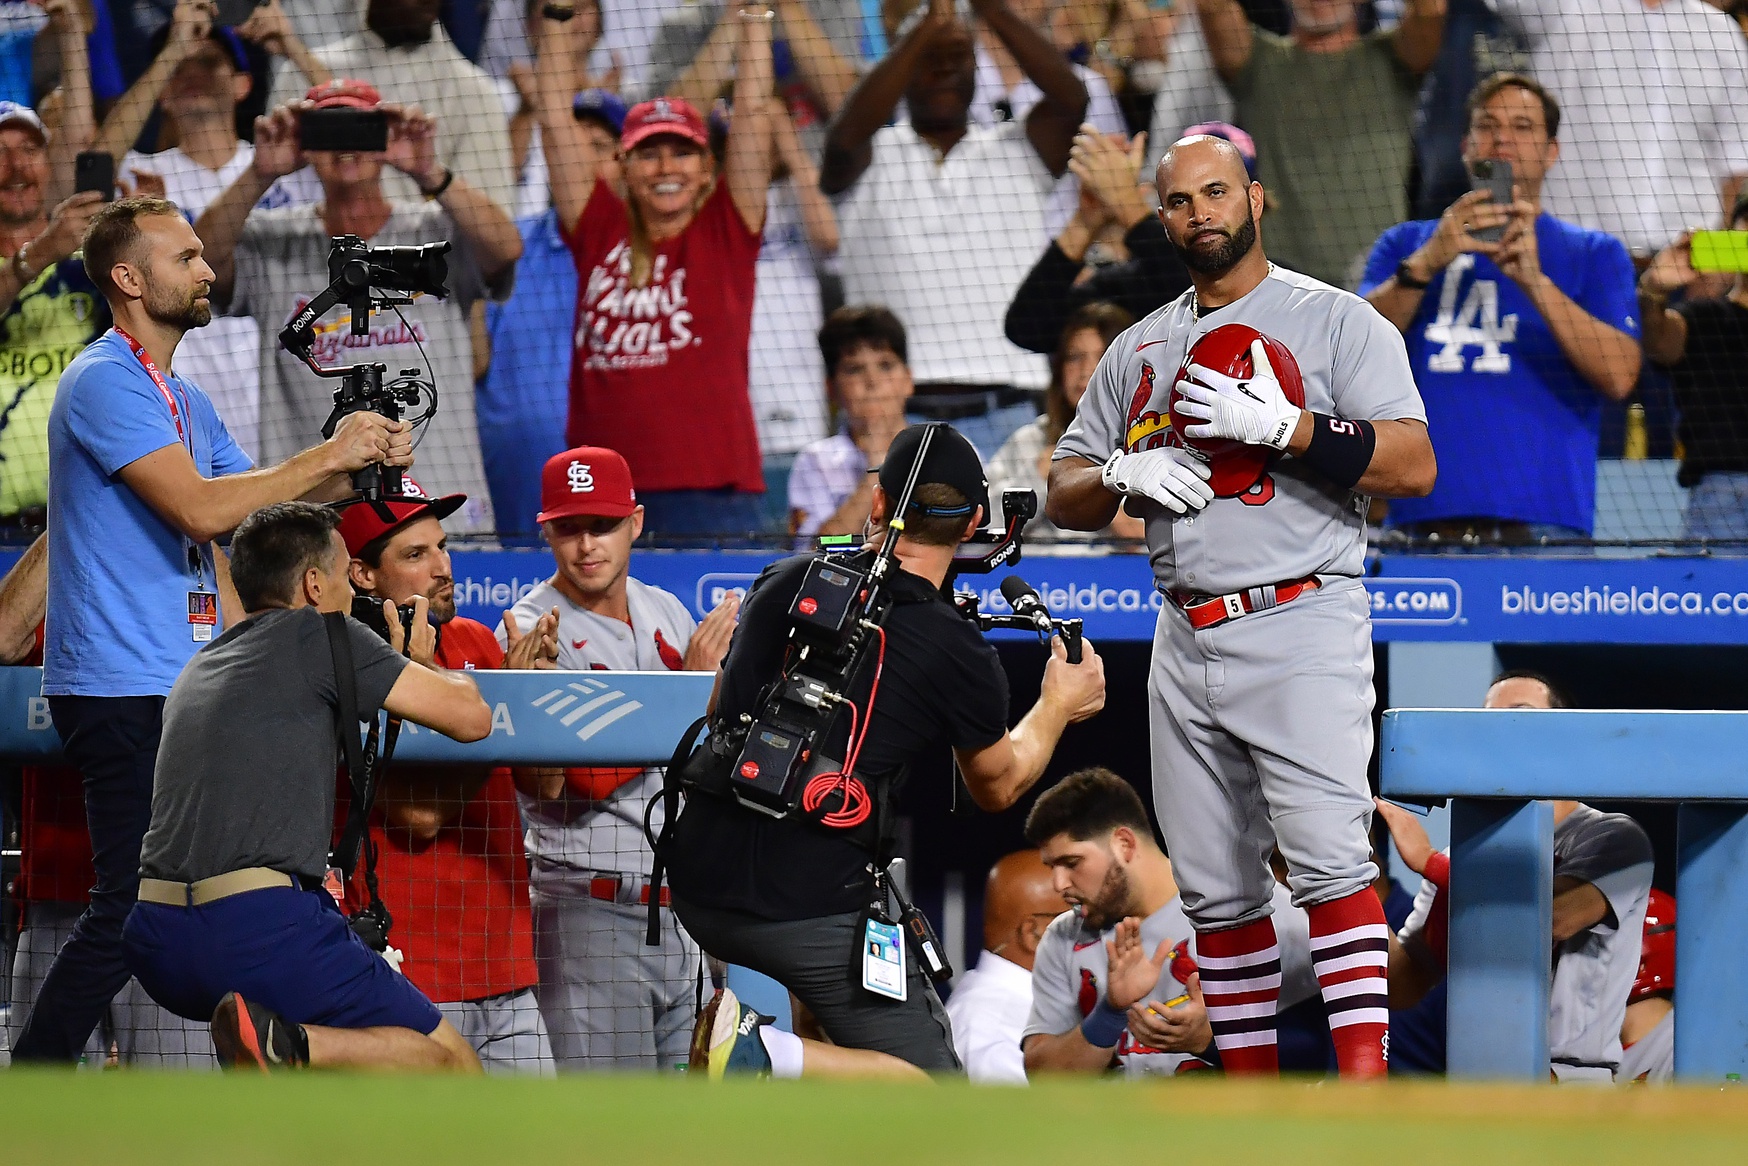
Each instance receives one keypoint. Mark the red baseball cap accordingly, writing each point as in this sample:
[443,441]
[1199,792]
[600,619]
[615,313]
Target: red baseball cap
[586,480]
[345,93]
[362,523]
[664,115]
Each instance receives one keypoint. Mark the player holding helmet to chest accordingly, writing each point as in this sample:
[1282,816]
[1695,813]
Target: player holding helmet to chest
[1249,422]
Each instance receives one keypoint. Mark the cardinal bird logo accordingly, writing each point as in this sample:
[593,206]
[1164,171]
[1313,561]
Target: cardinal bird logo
[1089,992]
[670,656]
[1143,394]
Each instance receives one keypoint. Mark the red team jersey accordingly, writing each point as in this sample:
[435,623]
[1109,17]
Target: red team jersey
[460,901]
[659,373]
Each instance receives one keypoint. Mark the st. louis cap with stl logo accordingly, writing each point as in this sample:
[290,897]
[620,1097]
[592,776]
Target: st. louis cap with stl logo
[586,480]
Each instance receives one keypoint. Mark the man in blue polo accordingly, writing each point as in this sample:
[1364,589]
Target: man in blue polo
[1515,343]
[142,478]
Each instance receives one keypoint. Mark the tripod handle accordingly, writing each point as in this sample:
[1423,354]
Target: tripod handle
[1069,629]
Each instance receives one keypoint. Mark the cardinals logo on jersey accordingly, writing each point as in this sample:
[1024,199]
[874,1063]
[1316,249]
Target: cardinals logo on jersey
[1145,428]
[1089,992]
[1183,964]
[670,655]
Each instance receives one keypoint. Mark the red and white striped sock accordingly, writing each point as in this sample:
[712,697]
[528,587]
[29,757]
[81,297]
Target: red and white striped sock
[1241,985]
[1350,952]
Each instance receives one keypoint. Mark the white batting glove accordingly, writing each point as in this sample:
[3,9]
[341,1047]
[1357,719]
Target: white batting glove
[1172,477]
[1253,411]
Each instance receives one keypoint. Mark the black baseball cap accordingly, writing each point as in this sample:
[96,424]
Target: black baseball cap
[952,461]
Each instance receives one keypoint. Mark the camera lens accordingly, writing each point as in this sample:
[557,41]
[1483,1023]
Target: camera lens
[416,269]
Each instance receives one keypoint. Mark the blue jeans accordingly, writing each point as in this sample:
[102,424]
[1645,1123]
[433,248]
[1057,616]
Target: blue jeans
[113,742]
[1718,507]
[514,457]
[713,513]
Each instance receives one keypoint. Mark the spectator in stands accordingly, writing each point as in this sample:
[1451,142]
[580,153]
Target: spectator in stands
[1332,111]
[1061,283]
[145,478]
[831,488]
[1006,93]
[1476,45]
[1704,345]
[1657,130]
[596,106]
[527,384]
[50,307]
[1515,344]
[610,1000]
[1602,879]
[939,214]
[54,873]
[1115,979]
[404,53]
[1648,1033]
[1189,89]
[269,263]
[1024,462]
[233,920]
[199,76]
[449,838]
[991,1002]
[659,371]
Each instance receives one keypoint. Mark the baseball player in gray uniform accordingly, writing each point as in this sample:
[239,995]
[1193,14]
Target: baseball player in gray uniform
[1602,884]
[609,1001]
[1148,1016]
[1261,687]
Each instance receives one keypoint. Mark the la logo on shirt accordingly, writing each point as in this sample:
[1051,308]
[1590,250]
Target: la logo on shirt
[1477,321]
[625,327]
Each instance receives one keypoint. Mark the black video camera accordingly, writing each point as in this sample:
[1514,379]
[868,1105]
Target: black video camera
[367,610]
[365,279]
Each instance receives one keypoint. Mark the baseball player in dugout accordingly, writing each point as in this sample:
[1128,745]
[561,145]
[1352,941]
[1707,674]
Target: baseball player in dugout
[449,838]
[610,1001]
[1248,423]
[803,894]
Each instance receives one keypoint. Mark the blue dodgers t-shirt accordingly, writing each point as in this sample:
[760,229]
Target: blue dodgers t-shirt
[1515,427]
[118,590]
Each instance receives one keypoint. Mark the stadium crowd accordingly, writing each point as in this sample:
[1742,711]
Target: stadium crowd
[720,255]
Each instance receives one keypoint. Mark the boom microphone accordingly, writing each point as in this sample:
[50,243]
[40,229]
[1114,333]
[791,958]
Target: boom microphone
[1026,603]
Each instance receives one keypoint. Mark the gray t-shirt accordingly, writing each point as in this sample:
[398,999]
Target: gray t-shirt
[246,763]
[1333,143]
[282,264]
[1594,970]
[1353,364]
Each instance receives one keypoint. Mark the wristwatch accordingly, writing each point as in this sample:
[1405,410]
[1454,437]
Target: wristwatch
[1405,277]
[438,191]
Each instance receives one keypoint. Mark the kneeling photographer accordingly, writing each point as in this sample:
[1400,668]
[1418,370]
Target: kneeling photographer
[233,922]
[802,897]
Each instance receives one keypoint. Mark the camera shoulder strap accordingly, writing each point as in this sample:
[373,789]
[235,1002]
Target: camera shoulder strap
[670,802]
[358,770]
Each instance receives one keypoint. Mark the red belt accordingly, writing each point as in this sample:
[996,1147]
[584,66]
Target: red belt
[607,887]
[1207,613]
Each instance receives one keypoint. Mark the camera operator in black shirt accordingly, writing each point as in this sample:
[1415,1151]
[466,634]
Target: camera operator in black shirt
[789,897]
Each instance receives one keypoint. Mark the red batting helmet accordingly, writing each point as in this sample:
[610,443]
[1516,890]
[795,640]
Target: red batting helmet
[1237,467]
[1657,951]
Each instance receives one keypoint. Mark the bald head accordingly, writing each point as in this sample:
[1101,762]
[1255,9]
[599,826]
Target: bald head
[1018,904]
[1200,159]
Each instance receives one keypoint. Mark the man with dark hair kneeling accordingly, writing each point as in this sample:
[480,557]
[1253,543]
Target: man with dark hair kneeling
[232,921]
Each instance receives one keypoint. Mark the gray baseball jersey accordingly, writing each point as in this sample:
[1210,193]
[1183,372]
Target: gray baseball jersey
[1069,975]
[573,834]
[1651,1058]
[1354,365]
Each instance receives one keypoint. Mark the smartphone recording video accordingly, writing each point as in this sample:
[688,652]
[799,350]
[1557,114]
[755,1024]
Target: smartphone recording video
[94,171]
[345,131]
[1496,179]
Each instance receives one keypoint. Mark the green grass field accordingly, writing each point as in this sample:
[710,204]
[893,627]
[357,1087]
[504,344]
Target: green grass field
[315,1120]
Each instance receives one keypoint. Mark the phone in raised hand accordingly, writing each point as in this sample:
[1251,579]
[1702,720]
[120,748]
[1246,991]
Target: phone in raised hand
[1495,178]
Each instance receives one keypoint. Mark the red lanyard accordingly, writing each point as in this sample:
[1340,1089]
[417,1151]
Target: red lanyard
[145,359]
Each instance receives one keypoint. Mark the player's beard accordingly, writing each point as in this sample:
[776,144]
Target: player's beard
[185,312]
[442,597]
[1111,905]
[1226,256]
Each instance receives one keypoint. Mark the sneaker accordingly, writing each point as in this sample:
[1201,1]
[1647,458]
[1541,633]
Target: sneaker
[726,1039]
[251,1036]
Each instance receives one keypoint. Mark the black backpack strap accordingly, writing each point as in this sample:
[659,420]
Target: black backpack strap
[358,771]
[670,801]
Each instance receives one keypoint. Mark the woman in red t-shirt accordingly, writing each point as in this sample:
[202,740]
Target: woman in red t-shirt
[665,289]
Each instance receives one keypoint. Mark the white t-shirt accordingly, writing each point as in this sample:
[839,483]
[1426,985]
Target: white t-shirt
[1654,111]
[988,1011]
[570,836]
[824,474]
[224,357]
[787,373]
[1102,113]
[944,243]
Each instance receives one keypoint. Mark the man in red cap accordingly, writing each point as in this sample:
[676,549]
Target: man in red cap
[450,863]
[609,1000]
[269,263]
